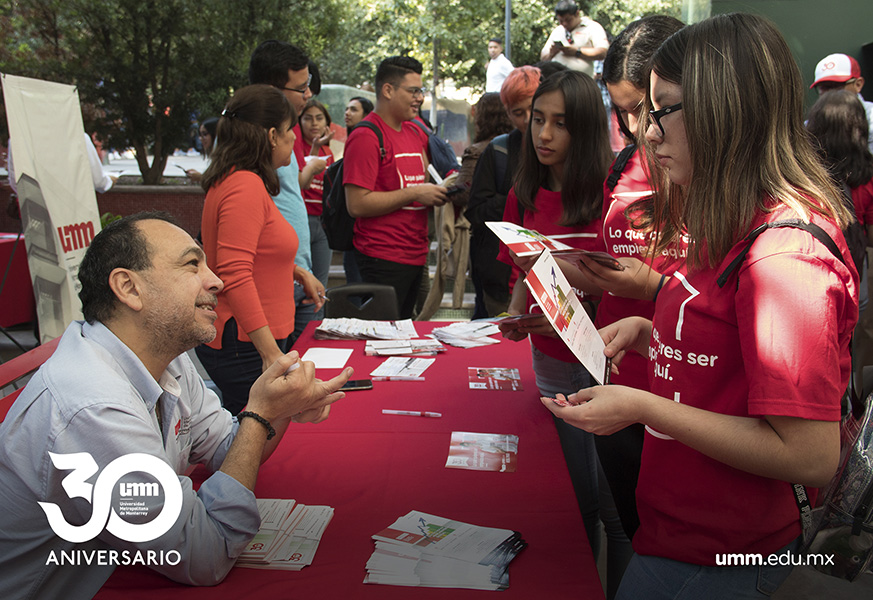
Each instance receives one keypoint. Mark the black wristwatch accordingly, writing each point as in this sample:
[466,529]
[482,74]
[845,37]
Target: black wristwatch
[578,54]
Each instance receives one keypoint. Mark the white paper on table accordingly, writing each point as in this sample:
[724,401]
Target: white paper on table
[328,358]
[398,366]
[564,311]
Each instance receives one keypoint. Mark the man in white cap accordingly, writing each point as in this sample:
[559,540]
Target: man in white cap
[842,72]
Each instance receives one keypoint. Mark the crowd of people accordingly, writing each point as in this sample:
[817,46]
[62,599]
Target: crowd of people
[728,325]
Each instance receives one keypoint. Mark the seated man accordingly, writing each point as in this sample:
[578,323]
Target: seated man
[121,402]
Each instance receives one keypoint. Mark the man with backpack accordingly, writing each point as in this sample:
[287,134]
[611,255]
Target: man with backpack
[384,182]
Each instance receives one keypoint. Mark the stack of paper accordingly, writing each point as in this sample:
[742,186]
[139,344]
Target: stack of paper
[483,451]
[399,368]
[359,329]
[288,537]
[422,347]
[419,549]
[467,334]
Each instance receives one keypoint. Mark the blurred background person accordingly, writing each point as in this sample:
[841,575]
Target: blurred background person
[491,182]
[498,66]
[207,142]
[313,154]
[357,108]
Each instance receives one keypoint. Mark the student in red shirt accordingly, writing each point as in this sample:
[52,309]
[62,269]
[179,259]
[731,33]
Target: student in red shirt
[312,151]
[746,378]
[559,186]
[387,194]
[248,243]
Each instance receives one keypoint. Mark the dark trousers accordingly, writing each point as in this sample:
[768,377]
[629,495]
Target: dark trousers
[620,455]
[234,367]
[405,279]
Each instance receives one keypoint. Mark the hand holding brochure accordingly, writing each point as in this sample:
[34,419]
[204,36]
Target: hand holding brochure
[562,308]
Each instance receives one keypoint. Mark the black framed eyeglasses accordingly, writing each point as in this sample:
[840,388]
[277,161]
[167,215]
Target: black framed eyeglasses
[657,115]
[301,90]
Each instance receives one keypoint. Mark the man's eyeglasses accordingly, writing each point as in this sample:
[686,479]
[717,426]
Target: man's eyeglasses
[301,90]
[657,115]
[422,91]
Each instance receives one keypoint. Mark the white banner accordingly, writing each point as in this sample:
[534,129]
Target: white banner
[55,192]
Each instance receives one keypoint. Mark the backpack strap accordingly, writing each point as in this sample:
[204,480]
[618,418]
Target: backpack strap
[801,497]
[375,129]
[813,229]
[618,166]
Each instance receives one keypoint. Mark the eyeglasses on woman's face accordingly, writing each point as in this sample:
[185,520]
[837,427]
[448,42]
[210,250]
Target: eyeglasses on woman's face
[659,114]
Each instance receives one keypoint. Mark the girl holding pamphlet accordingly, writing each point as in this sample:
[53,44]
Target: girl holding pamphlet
[558,191]
[749,343]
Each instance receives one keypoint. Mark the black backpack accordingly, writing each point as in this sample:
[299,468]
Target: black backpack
[441,154]
[339,226]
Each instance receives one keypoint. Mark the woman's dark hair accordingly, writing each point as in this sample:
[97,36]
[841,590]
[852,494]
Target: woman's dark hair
[242,141]
[365,103]
[491,119]
[211,127]
[588,158]
[628,56]
[838,125]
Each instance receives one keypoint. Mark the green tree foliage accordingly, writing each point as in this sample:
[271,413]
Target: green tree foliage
[151,68]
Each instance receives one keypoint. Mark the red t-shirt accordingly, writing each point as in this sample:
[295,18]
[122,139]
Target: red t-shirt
[862,198]
[312,196]
[399,236]
[543,220]
[776,344]
[621,240]
[251,247]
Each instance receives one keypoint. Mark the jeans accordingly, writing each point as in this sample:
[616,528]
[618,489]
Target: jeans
[657,578]
[321,252]
[553,377]
[234,367]
[303,313]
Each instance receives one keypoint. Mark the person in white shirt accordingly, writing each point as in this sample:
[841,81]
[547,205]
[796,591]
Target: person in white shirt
[498,66]
[577,41]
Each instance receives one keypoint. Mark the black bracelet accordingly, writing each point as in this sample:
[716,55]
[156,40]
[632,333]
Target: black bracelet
[271,433]
[660,285]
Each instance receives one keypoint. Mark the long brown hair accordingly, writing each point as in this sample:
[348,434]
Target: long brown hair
[242,141]
[839,127]
[589,156]
[742,104]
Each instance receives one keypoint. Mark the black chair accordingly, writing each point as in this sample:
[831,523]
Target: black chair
[372,301]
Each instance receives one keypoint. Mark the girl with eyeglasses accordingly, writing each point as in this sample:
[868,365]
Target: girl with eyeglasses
[748,362]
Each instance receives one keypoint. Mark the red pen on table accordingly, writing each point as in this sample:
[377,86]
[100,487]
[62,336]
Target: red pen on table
[412,413]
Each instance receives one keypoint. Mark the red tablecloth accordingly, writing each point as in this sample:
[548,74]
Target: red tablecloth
[374,468]
[16,302]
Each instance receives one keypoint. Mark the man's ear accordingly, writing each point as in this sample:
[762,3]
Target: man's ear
[127,287]
[387,91]
[859,84]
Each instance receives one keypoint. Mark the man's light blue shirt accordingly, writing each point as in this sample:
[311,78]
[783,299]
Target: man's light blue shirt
[95,396]
[291,205]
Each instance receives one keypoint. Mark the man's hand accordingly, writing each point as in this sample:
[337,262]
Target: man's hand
[429,194]
[280,395]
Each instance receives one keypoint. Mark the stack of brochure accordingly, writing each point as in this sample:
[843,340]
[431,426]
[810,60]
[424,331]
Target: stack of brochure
[423,550]
[467,334]
[422,347]
[288,537]
[359,329]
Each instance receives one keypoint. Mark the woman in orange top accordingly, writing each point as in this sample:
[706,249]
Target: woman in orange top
[248,243]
